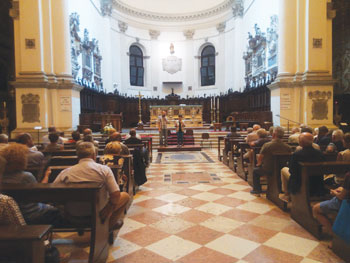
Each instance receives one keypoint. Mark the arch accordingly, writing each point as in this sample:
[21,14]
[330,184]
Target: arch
[207,65]
[137,70]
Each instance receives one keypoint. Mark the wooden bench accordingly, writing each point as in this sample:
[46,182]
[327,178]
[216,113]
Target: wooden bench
[241,165]
[70,152]
[280,160]
[23,243]
[61,194]
[220,139]
[234,152]
[301,210]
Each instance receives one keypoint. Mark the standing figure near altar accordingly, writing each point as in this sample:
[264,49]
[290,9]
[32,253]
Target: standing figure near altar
[180,128]
[163,130]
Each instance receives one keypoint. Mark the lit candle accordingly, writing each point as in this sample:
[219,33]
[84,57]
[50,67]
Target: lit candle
[4,104]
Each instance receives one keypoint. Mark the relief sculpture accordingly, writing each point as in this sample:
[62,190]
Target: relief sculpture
[30,108]
[319,104]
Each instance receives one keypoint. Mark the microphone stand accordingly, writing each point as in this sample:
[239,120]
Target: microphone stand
[288,120]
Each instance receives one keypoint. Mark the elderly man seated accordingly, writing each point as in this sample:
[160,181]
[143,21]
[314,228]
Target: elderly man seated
[294,138]
[291,177]
[35,158]
[87,170]
[265,158]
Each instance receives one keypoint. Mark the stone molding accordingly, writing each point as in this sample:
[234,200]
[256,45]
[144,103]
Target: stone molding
[226,5]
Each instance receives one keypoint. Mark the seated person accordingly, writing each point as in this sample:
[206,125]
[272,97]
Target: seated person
[308,130]
[338,140]
[262,138]
[144,154]
[112,156]
[345,154]
[294,138]
[253,136]
[75,137]
[9,211]
[87,170]
[46,139]
[116,137]
[35,158]
[307,154]
[33,213]
[89,138]
[322,209]
[4,141]
[232,134]
[322,139]
[88,132]
[133,139]
[265,159]
[53,146]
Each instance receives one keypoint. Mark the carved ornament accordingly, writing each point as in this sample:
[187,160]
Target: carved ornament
[221,27]
[30,108]
[154,34]
[319,104]
[189,34]
[122,26]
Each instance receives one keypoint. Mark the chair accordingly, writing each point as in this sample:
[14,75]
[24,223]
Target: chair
[189,132]
[205,137]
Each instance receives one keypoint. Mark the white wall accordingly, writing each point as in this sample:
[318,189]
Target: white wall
[230,45]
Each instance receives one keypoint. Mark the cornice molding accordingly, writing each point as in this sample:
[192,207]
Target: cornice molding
[121,7]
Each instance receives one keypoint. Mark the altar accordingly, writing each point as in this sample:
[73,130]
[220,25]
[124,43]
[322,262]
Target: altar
[191,114]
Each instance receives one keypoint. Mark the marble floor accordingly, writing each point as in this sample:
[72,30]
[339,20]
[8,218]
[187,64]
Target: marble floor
[194,212]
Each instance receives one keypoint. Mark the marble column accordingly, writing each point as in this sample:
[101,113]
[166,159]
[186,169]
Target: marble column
[303,90]
[46,94]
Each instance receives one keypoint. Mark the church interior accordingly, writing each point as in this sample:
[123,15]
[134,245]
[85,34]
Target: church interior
[180,131]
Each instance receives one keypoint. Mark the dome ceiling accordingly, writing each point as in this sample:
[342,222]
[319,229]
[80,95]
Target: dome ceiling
[173,10]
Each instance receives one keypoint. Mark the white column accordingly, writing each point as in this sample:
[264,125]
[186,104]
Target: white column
[61,39]
[287,38]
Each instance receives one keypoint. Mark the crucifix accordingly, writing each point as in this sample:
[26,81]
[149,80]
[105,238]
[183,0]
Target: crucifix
[140,115]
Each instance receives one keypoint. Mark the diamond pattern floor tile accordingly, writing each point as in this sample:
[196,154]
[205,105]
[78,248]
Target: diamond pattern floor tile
[202,223]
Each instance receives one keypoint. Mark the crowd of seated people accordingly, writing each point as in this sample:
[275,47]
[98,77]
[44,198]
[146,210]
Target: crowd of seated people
[18,157]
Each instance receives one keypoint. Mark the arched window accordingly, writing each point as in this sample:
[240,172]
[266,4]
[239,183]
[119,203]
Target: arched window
[136,66]
[208,66]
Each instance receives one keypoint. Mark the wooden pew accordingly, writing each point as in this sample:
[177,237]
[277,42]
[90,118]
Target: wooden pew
[61,194]
[301,210]
[341,248]
[69,152]
[220,139]
[241,172]
[274,180]
[23,243]
[234,153]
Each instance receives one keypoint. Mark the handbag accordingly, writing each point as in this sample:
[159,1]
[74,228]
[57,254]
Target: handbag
[341,225]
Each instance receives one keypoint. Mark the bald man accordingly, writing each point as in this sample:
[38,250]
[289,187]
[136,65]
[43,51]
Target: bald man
[253,136]
[292,183]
